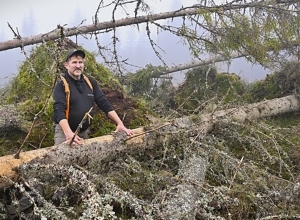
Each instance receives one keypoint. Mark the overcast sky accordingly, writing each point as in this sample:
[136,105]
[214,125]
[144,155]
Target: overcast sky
[48,14]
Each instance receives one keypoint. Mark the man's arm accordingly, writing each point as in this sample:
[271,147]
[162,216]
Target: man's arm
[120,126]
[106,107]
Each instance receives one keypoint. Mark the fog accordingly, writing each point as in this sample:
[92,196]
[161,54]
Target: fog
[33,17]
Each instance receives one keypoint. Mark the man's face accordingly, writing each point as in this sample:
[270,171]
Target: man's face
[75,66]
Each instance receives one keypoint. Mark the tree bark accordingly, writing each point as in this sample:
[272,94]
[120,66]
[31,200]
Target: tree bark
[59,31]
[179,201]
[9,163]
[105,146]
[216,59]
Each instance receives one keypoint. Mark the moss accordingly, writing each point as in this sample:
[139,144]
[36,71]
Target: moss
[10,142]
[247,204]
[144,184]
[101,125]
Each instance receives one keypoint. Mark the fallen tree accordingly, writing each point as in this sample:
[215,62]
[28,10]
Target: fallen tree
[164,171]
[204,124]
[10,163]
[98,26]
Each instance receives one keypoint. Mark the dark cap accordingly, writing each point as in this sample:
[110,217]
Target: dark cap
[73,52]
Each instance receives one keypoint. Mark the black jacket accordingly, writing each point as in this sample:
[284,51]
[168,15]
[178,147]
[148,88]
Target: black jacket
[81,100]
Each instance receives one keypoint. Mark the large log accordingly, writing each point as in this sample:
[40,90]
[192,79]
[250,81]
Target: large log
[179,202]
[9,163]
[64,154]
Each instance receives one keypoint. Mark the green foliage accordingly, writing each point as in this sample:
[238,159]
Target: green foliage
[100,73]
[101,125]
[34,80]
[140,111]
[278,84]
[204,85]
[10,142]
[230,87]
[207,16]
[255,34]
[144,81]
[149,85]
[196,88]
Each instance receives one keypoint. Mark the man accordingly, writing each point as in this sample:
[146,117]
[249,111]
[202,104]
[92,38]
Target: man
[82,98]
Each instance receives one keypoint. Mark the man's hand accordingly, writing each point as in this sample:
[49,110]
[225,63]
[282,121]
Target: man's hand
[121,127]
[77,139]
[69,134]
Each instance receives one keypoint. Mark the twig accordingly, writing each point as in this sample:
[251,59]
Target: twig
[87,115]
[163,198]
[17,35]
[237,169]
[198,184]
[17,155]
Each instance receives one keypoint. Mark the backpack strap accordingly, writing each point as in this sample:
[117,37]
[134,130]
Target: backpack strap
[67,91]
[88,81]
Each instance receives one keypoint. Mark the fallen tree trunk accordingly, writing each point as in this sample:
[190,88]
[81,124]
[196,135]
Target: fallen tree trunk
[9,163]
[97,26]
[109,144]
[178,202]
[164,172]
